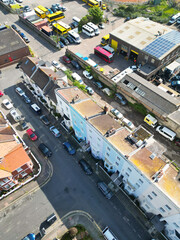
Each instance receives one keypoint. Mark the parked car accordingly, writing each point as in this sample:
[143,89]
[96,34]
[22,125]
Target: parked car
[128,123]
[30,236]
[1,93]
[7,104]
[55,131]
[64,40]
[61,44]
[85,167]
[101,26]
[66,59]
[116,113]
[54,8]
[26,99]
[22,34]
[23,125]
[19,1]
[177,142]
[70,39]
[74,24]
[105,190]
[18,30]
[90,90]
[26,9]
[45,119]
[58,7]
[45,150]
[87,75]
[98,85]
[20,91]
[26,39]
[69,148]
[50,11]
[107,91]
[75,64]
[31,134]
[14,26]
[56,64]
[120,98]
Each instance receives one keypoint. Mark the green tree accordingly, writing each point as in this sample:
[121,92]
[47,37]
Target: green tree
[96,13]
[84,20]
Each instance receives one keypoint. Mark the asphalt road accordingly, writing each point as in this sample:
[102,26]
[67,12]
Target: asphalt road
[69,188]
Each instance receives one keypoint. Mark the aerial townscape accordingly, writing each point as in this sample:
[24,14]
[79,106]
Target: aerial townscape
[89,120]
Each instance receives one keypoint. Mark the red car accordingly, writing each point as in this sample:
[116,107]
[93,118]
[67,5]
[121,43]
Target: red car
[66,59]
[1,93]
[31,134]
[177,142]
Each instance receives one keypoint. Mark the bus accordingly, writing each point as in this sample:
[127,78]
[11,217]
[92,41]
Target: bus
[105,40]
[59,29]
[88,31]
[94,27]
[39,12]
[91,3]
[45,10]
[55,16]
[64,25]
[105,55]
[75,36]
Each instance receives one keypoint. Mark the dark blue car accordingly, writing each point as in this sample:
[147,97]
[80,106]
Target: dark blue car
[69,148]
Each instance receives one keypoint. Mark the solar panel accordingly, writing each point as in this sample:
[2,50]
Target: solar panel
[163,44]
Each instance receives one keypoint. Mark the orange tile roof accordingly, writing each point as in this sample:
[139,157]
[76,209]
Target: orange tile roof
[14,159]
[4,174]
[6,147]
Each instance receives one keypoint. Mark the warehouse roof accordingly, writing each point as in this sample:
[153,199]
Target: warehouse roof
[154,38]
[10,41]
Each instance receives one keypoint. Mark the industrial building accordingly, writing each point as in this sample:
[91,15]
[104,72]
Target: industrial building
[148,44]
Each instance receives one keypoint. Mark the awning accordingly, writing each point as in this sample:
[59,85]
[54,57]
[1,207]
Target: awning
[66,117]
[134,52]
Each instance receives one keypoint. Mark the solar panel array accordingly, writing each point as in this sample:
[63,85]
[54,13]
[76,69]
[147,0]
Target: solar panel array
[163,44]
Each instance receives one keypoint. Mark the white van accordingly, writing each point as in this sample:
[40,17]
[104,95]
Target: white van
[77,78]
[75,36]
[36,108]
[108,234]
[88,30]
[76,19]
[166,132]
[15,115]
[94,27]
[174,18]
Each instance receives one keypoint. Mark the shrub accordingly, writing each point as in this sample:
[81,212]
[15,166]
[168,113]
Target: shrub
[73,232]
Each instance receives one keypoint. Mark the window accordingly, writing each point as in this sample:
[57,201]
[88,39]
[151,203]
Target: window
[6,187]
[140,181]
[152,60]
[126,82]
[108,149]
[67,108]
[99,139]
[146,206]
[60,102]
[118,158]
[167,207]
[137,185]
[117,164]
[75,123]
[81,123]
[107,154]
[162,210]
[90,131]
[106,165]
[129,170]
[6,180]
[11,184]
[1,183]
[127,174]
[23,174]
[154,194]
[129,188]
[175,224]
[90,137]
[150,197]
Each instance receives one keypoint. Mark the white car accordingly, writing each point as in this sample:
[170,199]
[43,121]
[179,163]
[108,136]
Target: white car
[87,75]
[90,90]
[77,78]
[19,1]
[128,123]
[7,104]
[55,131]
[116,113]
[20,91]
[56,64]
[107,91]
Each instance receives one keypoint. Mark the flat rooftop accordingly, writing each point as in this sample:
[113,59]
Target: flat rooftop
[10,41]
[119,142]
[103,123]
[150,165]
[87,108]
[71,93]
